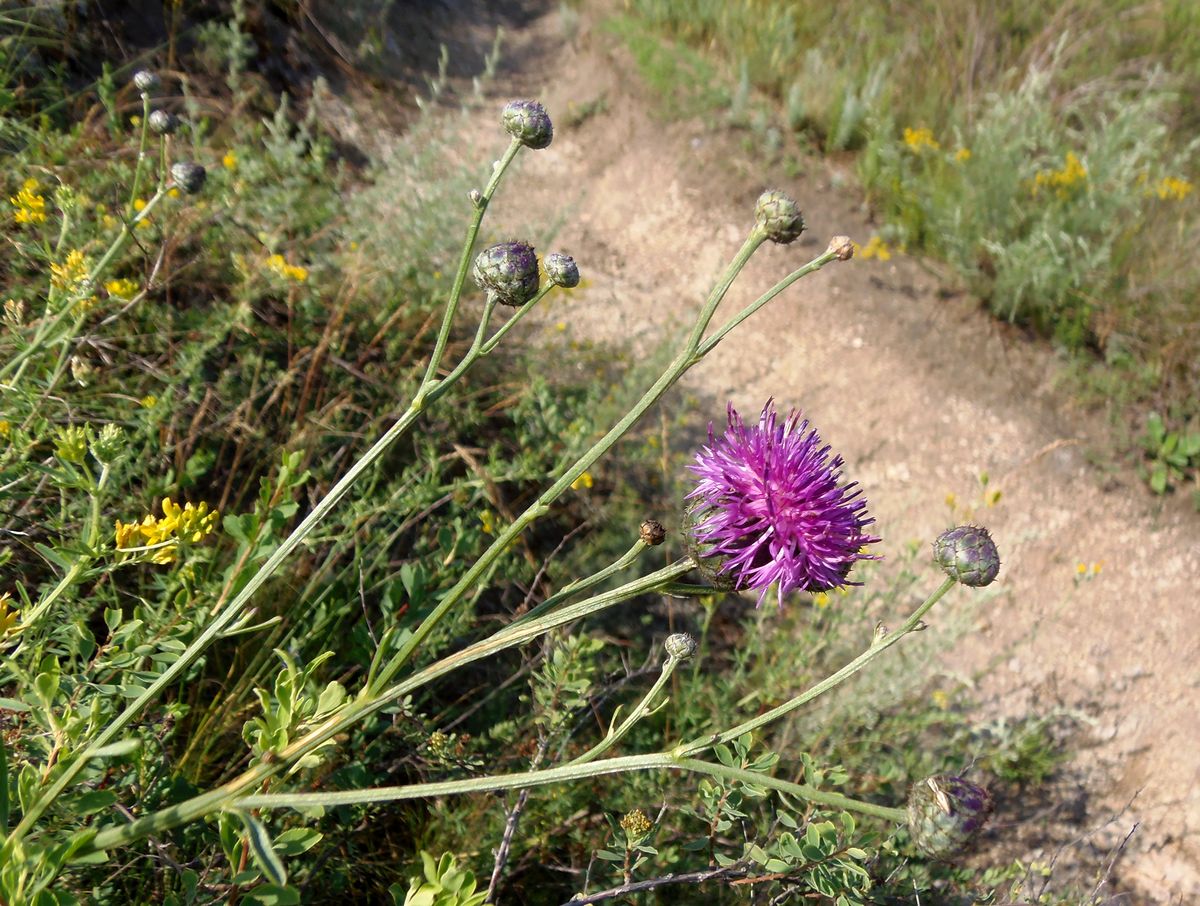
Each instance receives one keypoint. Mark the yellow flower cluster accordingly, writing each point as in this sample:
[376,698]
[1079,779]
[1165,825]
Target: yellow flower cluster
[229,161]
[921,139]
[875,248]
[122,288]
[72,273]
[1172,188]
[583,482]
[635,824]
[1065,180]
[29,205]
[962,155]
[189,523]
[10,617]
[278,265]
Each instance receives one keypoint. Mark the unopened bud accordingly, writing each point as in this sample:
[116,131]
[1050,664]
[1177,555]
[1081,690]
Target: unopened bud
[509,272]
[652,532]
[188,176]
[945,813]
[779,216]
[842,247]
[476,198]
[145,80]
[680,646]
[528,123]
[968,555]
[108,446]
[162,122]
[562,270]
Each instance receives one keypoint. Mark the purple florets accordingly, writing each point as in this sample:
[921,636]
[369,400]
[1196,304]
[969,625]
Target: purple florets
[769,505]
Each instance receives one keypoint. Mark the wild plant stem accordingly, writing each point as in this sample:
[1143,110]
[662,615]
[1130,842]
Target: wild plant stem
[880,645]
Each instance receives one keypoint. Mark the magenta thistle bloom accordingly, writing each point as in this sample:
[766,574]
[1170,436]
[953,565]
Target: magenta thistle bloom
[770,505]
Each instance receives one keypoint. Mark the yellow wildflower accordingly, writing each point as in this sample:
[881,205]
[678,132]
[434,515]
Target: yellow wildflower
[1172,188]
[158,538]
[940,699]
[582,482]
[560,326]
[821,599]
[29,204]
[173,192]
[1071,176]
[875,248]
[229,161]
[5,428]
[122,288]
[9,618]
[148,401]
[487,520]
[918,140]
[139,204]
[962,155]
[72,273]
[278,265]
[636,825]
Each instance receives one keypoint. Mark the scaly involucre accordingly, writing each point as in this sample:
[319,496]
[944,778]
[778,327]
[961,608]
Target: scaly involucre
[769,504]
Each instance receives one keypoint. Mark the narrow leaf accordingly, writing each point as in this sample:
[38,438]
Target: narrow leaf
[263,851]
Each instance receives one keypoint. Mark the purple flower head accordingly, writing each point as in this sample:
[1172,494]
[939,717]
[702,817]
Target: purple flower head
[768,503]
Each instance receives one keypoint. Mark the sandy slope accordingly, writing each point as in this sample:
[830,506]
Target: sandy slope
[921,392]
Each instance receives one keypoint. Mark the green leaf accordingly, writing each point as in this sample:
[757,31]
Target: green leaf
[1158,479]
[297,840]
[3,787]
[263,851]
[118,748]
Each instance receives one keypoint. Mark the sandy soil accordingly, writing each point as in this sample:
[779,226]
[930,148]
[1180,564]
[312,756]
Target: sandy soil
[922,392]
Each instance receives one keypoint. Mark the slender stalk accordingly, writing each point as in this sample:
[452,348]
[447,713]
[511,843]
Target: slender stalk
[141,155]
[564,774]
[510,637]
[460,276]
[508,325]
[877,648]
[816,264]
[613,736]
[585,583]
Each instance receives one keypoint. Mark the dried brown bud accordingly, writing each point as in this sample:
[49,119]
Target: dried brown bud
[652,532]
[842,248]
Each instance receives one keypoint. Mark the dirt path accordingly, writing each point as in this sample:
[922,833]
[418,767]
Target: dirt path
[921,393]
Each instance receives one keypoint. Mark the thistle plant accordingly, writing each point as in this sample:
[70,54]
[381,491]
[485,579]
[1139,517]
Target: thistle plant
[768,511]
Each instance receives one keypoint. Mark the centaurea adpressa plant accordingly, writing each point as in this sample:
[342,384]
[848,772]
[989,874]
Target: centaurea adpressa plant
[768,511]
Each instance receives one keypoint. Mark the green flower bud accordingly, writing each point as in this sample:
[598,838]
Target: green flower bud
[680,646]
[71,443]
[188,176]
[562,270]
[779,216]
[528,123]
[509,272]
[652,532]
[162,122]
[968,555]
[145,80]
[945,813]
[107,448]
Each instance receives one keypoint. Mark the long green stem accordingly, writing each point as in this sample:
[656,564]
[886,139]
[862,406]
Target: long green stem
[877,648]
[460,276]
[564,774]
[141,155]
[510,637]
[816,264]
[642,709]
